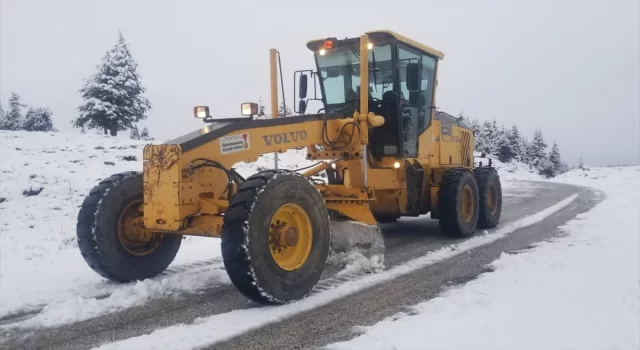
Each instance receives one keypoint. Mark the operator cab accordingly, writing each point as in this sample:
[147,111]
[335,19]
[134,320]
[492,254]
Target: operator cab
[401,87]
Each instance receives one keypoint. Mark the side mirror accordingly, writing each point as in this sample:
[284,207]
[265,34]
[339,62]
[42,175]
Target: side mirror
[303,86]
[413,76]
[302,106]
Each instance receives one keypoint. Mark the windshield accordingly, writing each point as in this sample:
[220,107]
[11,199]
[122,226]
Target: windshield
[340,75]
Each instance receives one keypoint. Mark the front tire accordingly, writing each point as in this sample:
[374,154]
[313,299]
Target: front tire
[111,235]
[458,203]
[275,237]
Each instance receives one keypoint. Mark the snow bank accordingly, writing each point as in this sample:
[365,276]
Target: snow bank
[40,264]
[581,291]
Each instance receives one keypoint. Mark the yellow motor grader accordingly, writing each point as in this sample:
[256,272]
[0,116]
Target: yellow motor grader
[386,152]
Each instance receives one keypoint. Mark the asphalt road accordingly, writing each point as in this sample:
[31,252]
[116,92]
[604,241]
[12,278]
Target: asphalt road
[407,239]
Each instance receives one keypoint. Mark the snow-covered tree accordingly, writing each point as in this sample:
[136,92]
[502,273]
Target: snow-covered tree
[581,165]
[545,168]
[140,135]
[262,111]
[38,119]
[113,96]
[516,144]
[284,111]
[13,118]
[461,116]
[505,150]
[488,134]
[537,149]
[559,166]
[475,128]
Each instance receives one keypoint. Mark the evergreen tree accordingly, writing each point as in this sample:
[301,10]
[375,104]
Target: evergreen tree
[475,128]
[461,116]
[545,168]
[140,135]
[556,160]
[537,150]
[503,147]
[486,139]
[262,111]
[38,119]
[113,96]
[515,144]
[581,165]
[13,118]
[144,134]
[284,111]
[134,134]
[1,113]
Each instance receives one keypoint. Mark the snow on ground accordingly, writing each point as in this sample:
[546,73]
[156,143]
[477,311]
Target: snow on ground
[40,264]
[580,291]
[208,330]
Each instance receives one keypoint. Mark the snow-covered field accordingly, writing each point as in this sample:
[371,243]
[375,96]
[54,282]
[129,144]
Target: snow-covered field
[580,291]
[40,265]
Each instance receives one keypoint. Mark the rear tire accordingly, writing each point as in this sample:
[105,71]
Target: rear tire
[247,237]
[99,241]
[458,203]
[490,193]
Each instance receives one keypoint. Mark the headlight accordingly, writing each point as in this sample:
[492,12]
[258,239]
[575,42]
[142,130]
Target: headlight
[201,112]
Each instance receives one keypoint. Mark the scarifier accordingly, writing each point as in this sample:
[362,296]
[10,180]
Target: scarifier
[385,149]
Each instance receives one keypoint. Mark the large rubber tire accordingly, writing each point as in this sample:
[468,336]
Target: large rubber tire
[97,232]
[450,203]
[245,241]
[488,181]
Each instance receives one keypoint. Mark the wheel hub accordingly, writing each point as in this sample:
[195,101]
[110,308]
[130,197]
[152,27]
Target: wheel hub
[132,234]
[466,204]
[290,237]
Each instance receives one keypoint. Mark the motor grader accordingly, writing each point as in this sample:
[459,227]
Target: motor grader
[385,149]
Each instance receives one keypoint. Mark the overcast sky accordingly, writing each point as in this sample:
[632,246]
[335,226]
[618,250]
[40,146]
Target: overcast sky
[569,68]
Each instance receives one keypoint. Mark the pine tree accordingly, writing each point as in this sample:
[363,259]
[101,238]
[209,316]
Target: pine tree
[503,147]
[134,134]
[486,138]
[461,116]
[556,160]
[284,111]
[144,134]
[13,118]
[113,96]
[515,143]
[262,111]
[140,135]
[38,119]
[475,128]
[545,168]
[581,165]
[537,150]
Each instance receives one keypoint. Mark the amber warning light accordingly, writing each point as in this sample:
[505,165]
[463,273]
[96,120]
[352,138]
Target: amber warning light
[328,44]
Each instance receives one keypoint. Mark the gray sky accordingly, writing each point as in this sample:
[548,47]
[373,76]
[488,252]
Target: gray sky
[570,68]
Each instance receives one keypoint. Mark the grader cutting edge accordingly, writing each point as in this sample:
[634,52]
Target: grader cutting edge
[386,152]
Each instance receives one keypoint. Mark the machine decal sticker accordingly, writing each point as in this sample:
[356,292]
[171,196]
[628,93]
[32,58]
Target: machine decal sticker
[234,143]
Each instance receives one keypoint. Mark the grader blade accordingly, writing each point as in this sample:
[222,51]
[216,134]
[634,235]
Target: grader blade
[353,240]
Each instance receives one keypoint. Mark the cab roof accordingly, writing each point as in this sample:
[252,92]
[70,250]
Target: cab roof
[380,34]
